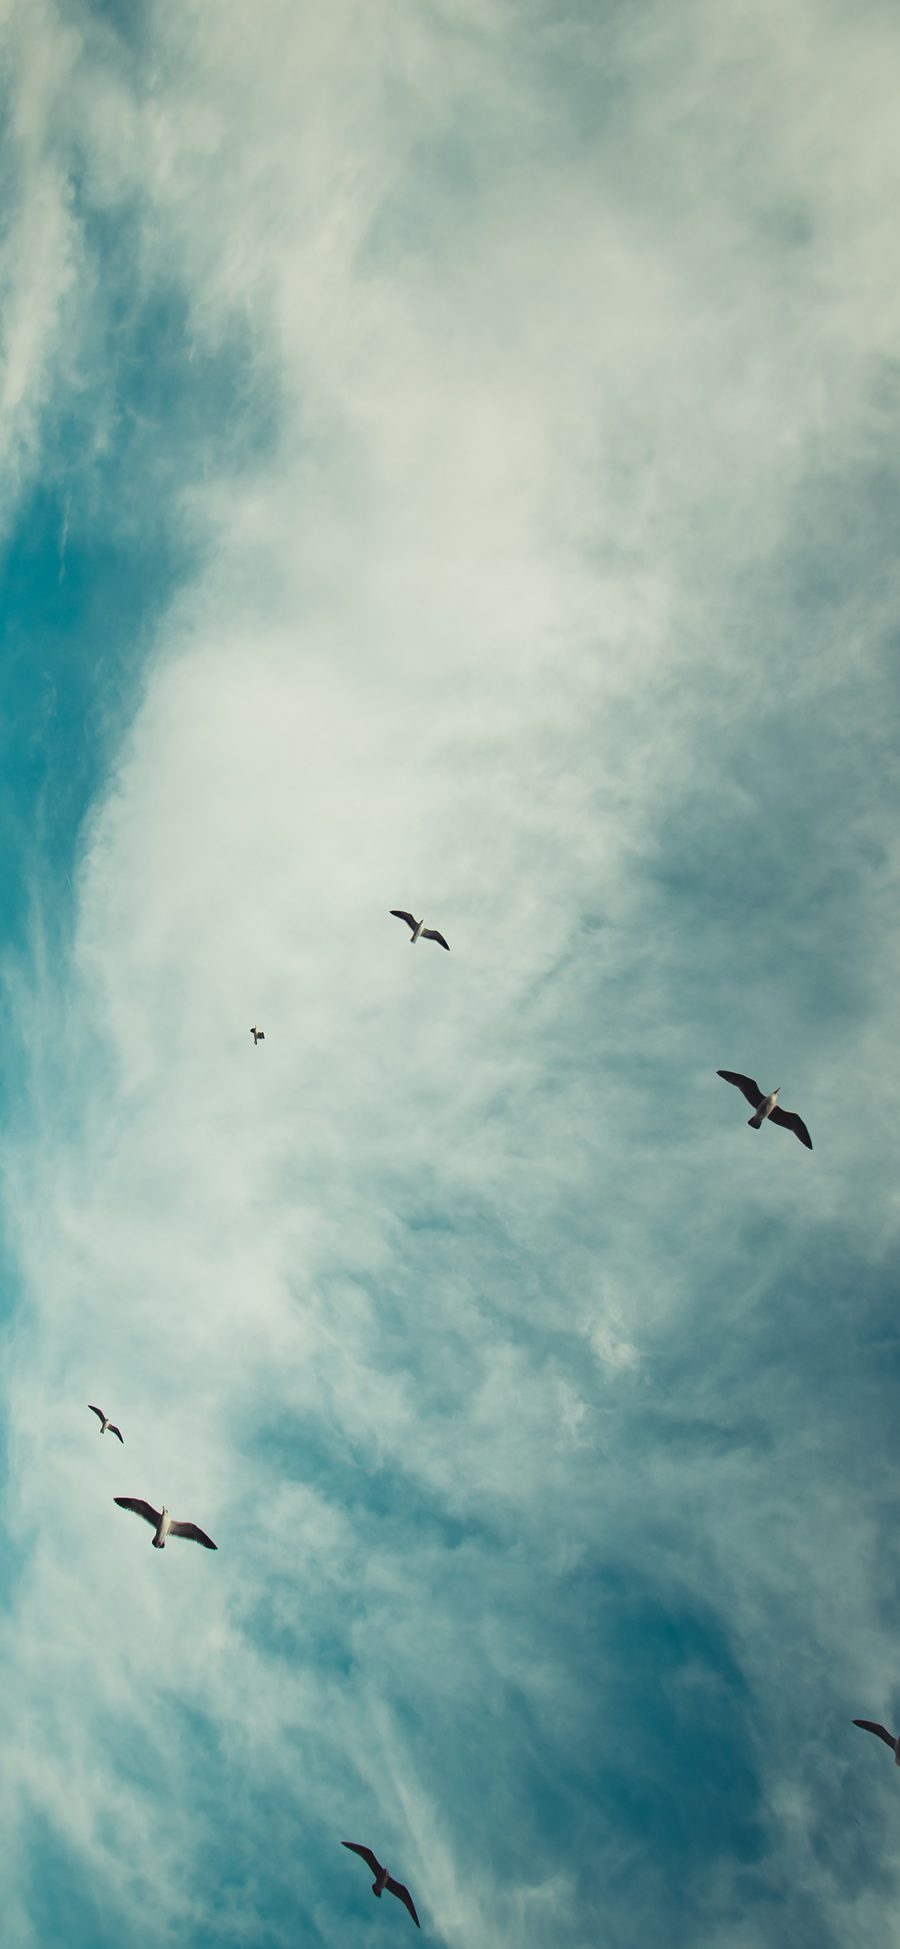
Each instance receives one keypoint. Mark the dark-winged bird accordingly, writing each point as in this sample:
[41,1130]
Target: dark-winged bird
[419,930]
[259,1035]
[383,1880]
[163,1524]
[105,1423]
[881,1732]
[766,1106]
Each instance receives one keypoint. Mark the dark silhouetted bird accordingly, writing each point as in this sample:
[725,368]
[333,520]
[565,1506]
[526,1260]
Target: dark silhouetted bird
[105,1423]
[419,929]
[881,1732]
[383,1880]
[163,1524]
[766,1106]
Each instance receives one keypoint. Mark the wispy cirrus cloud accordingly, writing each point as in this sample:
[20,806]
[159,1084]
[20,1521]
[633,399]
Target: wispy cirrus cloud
[514,401]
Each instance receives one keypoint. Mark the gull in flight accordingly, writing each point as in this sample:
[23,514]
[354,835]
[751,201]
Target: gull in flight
[881,1732]
[163,1524]
[382,1879]
[105,1423]
[766,1106]
[419,929]
[259,1035]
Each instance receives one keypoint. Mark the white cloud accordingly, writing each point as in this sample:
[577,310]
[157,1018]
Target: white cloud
[461,640]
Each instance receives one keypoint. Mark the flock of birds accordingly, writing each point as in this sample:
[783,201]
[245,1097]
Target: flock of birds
[766,1109]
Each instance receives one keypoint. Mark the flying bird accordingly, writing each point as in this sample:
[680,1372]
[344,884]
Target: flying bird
[163,1524]
[881,1732]
[419,929]
[382,1879]
[105,1423]
[766,1106]
[259,1035]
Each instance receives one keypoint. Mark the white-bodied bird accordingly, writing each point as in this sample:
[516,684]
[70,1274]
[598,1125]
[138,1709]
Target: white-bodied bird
[766,1106]
[418,929]
[383,1880]
[105,1424]
[881,1732]
[163,1523]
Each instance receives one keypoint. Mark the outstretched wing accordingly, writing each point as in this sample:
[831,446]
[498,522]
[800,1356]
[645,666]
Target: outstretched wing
[400,915]
[98,1412]
[117,1431]
[789,1120]
[366,1852]
[431,934]
[195,1535]
[881,1732]
[403,1895]
[140,1508]
[745,1084]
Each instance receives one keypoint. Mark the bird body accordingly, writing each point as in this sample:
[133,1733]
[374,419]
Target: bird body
[164,1524]
[881,1732]
[105,1424]
[766,1107]
[384,1880]
[418,929]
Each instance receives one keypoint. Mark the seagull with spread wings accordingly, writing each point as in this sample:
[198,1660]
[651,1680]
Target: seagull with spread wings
[418,929]
[105,1423]
[766,1106]
[163,1524]
[383,1880]
[881,1732]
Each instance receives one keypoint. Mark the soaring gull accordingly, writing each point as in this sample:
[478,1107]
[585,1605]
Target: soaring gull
[419,929]
[766,1106]
[105,1423]
[163,1524]
[259,1035]
[383,1880]
[881,1732]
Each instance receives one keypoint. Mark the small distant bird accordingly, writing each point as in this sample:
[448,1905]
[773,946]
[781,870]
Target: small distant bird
[163,1524]
[766,1106]
[419,929]
[881,1732]
[382,1879]
[105,1423]
[259,1035]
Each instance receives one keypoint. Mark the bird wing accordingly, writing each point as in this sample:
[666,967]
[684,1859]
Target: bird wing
[196,1535]
[403,1895]
[400,915]
[260,1035]
[790,1121]
[431,934]
[881,1732]
[140,1508]
[117,1431]
[745,1084]
[98,1412]
[367,1855]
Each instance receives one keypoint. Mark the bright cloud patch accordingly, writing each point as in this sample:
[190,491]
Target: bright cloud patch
[481,431]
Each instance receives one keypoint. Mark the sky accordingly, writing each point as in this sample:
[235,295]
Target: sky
[450,462]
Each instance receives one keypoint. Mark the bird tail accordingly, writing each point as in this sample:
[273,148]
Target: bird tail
[756,1118]
[159,1543]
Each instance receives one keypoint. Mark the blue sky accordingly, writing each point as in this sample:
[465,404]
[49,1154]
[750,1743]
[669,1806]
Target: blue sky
[450,461]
